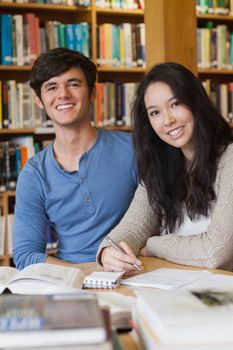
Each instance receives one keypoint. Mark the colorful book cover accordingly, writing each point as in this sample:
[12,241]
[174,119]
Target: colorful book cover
[6,39]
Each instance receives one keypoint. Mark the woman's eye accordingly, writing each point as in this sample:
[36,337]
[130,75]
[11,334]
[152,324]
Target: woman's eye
[175,104]
[154,113]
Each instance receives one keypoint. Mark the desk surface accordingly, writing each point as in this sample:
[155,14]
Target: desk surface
[149,263]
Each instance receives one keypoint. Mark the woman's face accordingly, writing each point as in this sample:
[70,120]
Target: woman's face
[172,121]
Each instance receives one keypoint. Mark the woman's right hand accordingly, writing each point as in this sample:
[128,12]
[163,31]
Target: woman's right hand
[114,260]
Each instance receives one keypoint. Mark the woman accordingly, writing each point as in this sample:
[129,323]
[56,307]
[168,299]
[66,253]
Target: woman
[183,209]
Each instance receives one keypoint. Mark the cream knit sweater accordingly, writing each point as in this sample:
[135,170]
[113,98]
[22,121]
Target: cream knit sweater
[210,249]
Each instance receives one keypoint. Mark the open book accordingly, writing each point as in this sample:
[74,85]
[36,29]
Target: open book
[48,278]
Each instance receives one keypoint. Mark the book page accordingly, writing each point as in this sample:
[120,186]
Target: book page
[43,278]
[165,278]
[6,275]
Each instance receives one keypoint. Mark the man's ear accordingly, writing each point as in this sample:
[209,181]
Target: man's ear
[39,102]
[93,94]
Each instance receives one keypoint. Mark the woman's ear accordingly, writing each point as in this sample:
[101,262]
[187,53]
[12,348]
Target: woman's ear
[39,102]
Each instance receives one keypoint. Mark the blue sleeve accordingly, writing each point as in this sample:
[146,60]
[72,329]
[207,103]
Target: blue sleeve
[30,221]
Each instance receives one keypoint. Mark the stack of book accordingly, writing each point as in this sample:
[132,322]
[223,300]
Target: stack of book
[184,319]
[55,320]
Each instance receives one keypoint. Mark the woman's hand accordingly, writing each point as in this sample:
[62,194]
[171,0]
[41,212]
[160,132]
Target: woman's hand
[143,252]
[113,260]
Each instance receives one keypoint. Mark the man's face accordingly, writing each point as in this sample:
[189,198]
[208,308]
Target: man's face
[65,98]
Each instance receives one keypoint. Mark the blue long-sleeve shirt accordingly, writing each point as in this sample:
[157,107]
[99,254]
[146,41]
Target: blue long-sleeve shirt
[81,206]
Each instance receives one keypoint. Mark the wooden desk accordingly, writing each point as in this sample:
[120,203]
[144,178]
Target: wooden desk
[149,264]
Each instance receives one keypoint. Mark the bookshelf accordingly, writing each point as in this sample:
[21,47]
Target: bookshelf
[215,56]
[166,40]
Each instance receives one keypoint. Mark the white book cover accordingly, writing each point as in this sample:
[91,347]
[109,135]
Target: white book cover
[19,39]
[2,234]
[185,317]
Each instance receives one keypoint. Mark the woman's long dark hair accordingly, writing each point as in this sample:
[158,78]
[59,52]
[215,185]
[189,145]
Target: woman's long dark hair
[162,167]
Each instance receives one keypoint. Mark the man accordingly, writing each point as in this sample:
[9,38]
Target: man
[83,182]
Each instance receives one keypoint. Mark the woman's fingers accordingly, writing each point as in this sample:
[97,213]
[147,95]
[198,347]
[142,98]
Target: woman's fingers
[113,260]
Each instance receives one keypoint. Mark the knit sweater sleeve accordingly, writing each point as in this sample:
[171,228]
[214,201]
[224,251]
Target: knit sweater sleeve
[137,225]
[213,248]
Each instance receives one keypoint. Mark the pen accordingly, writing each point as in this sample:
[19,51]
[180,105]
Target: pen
[117,247]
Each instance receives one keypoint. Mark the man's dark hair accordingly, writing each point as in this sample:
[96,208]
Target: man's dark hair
[56,62]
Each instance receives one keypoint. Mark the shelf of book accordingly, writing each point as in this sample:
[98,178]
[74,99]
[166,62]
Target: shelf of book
[215,53]
[209,17]
[42,7]
[119,12]
[218,71]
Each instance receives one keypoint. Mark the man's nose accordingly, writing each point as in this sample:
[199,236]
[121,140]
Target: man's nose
[63,91]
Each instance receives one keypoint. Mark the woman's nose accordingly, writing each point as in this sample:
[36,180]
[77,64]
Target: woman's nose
[168,118]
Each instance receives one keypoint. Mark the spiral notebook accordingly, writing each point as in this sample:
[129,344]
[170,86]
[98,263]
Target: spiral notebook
[102,279]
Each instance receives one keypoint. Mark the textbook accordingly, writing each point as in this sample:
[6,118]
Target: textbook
[184,318]
[40,279]
[50,320]
[45,278]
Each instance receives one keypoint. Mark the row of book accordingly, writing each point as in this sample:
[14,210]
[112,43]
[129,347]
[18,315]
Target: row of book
[22,38]
[222,96]
[218,7]
[13,156]
[18,108]
[121,45]
[121,4]
[53,2]
[215,47]
[113,101]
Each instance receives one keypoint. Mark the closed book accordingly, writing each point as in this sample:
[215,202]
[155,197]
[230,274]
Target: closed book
[27,321]
[188,318]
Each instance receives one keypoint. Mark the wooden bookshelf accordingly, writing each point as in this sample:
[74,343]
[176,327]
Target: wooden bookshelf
[217,79]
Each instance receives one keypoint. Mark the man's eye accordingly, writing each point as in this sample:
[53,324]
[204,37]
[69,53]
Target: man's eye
[74,84]
[51,88]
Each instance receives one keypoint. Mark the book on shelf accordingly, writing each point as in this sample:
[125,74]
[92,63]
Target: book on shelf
[6,44]
[58,320]
[45,278]
[184,319]
[2,234]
